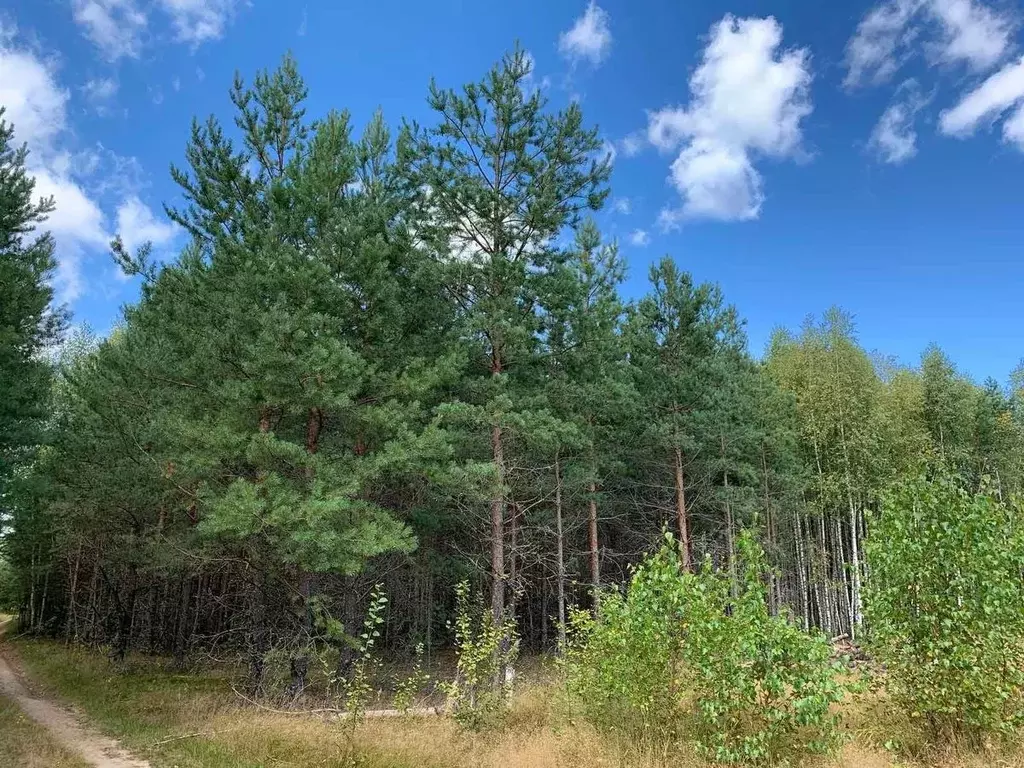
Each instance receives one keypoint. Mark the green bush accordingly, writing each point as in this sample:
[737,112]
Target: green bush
[485,653]
[693,649]
[944,607]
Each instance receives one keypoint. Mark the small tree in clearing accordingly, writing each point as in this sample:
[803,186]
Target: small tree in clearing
[757,690]
[944,607]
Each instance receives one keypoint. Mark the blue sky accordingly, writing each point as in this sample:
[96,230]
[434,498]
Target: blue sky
[799,153]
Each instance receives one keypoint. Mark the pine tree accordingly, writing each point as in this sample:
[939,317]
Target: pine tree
[588,385]
[500,178]
[677,337]
[29,325]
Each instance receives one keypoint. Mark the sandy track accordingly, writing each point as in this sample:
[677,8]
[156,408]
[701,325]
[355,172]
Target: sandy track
[96,749]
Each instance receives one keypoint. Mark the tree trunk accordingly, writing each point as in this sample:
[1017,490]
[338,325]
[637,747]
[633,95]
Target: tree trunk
[595,560]
[681,517]
[299,662]
[561,555]
[729,534]
[802,570]
[855,571]
[498,529]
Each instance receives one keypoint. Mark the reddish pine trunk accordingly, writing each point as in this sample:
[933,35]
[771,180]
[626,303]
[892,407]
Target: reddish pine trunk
[595,562]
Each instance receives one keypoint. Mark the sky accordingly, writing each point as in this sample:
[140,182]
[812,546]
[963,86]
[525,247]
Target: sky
[801,154]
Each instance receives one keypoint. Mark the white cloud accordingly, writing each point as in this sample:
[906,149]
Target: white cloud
[871,53]
[197,21]
[639,238]
[748,99]
[590,38]
[949,32]
[894,138]
[137,225]
[116,27]
[34,103]
[972,33]
[633,144]
[79,181]
[1013,128]
[100,93]
[37,107]
[303,24]
[176,83]
[622,205]
[986,102]
[77,227]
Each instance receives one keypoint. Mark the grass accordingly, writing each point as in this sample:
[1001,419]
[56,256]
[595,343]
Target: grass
[24,744]
[195,721]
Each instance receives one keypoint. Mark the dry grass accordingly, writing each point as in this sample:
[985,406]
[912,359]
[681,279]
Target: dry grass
[194,721]
[24,744]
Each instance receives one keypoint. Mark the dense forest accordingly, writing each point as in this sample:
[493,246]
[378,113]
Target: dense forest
[405,358]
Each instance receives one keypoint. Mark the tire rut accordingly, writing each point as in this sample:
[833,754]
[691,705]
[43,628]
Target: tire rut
[94,748]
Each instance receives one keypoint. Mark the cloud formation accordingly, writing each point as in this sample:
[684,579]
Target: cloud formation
[119,28]
[196,21]
[137,225]
[987,103]
[894,139]
[116,27]
[589,38]
[747,100]
[100,93]
[947,32]
[639,238]
[36,105]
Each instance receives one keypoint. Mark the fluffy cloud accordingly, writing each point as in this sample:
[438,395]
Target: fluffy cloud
[748,98]
[137,225]
[590,38]
[986,102]
[116,27]
[894,139]
[1013,128]
[971,32]
[196,21]
[872,52]
[78,181]
[633,143]
[639,238]
[622,205]
[33,101]
[947,31]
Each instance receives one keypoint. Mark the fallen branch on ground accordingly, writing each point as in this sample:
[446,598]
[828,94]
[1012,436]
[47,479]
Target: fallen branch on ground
[340,713]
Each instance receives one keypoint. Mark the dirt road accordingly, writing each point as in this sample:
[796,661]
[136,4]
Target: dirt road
[96,749]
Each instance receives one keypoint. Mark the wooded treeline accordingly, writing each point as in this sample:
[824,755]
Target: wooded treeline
[406,358]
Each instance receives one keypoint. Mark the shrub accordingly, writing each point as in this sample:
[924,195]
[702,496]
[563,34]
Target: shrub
[755,688]
[943,606]
[485,652]
[622,667]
